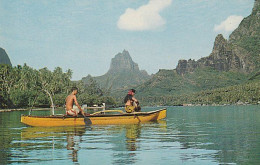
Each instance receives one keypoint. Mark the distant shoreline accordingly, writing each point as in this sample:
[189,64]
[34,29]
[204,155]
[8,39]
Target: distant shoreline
[24,109]
[188,105]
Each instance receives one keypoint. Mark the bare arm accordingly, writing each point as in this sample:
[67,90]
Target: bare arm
[134,99]
[77,104]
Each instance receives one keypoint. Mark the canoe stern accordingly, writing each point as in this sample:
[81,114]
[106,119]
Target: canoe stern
[162,114]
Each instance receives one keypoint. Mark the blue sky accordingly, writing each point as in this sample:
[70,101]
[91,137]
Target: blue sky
[84,35]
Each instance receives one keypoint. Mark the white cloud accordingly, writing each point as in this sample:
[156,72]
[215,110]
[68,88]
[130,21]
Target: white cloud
[230,24]
[146,17]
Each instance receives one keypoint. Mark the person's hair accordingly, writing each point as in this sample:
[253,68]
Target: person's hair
[74,88]
[133,90]
[128,97]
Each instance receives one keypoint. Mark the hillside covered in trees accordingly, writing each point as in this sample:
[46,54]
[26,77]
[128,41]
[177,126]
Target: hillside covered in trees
[247,93]
[226,74]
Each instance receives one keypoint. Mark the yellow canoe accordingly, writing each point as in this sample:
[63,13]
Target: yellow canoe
[94,119]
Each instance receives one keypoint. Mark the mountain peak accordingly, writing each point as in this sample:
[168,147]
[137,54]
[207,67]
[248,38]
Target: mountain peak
[125,52]
[219,43]
[122,62]
[122,74]
[4,59]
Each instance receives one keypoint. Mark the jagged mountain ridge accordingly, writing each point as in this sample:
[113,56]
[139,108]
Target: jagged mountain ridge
[4,58]
[240,53]
[231,62]
[123,73]
[222,58]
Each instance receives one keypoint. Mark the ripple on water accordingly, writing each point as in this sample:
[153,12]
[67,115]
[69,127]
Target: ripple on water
[191,135]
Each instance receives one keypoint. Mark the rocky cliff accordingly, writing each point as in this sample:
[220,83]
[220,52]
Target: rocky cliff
[4,59]
[123,73]
[240,53]
[222,58]
[231,62]
[246,38]
[123,62]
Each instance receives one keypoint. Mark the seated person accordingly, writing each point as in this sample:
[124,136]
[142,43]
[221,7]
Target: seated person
[131,103]
[70,100]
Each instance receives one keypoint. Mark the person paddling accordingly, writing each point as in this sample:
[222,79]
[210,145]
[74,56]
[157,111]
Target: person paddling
[131,103]
[70,100]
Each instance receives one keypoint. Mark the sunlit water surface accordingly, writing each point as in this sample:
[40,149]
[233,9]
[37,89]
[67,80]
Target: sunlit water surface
[189,135]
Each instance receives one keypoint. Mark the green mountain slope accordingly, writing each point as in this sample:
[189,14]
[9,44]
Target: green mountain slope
[231,63]
[168,82]
[123,74]
[247,35]
[245,93]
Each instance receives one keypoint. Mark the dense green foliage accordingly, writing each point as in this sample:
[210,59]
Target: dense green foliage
[204,86]
[168,82]
[248,93]
[91,93]
[23,86]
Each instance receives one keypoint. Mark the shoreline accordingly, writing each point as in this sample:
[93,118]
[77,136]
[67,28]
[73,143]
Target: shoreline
[24,109]
[189,105]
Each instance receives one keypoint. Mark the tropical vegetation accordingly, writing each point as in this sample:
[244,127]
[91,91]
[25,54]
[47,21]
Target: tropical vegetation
[23,86]
[247,93]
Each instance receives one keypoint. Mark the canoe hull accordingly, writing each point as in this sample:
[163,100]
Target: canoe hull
[138,117]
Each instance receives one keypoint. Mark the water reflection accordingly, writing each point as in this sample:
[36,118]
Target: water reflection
[5,141]
[73,140]
[130,147]
[125,139]
[73,137]
[132,133]
[189,135]
[7,122]
[227,134]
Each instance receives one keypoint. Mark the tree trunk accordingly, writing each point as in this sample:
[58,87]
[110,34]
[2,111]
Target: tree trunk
[52,105]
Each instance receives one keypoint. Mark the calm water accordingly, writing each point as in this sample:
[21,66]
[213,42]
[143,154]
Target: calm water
[189,135]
